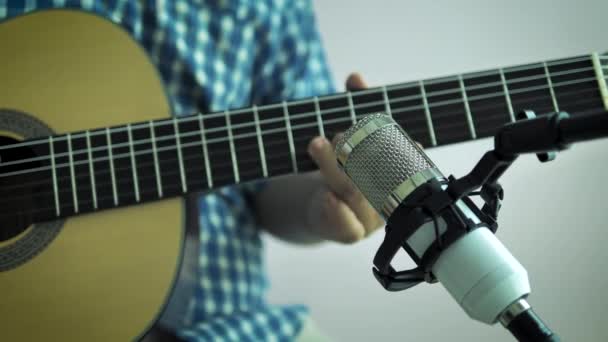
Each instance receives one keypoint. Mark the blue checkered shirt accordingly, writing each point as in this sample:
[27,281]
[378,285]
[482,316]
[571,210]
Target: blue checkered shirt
[216,55]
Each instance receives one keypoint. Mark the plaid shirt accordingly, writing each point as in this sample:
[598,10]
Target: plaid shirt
[216,55]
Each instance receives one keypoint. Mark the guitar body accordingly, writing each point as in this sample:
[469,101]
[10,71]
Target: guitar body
[104,276]
[107,275]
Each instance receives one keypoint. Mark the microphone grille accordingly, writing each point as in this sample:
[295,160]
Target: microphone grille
[382,157]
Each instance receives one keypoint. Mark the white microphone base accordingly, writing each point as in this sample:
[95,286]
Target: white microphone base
[481,275]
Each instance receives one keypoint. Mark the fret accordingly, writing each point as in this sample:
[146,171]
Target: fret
[449,118]
[599,68]
[575,86]
[159,184]
[133,167]
[64,175]
[72,175]
[337,116]
[351,107]
[205,152]
[218,147]
[246,147]
[235,165]
[603,61]
[408,111]
[190,137]
[91,170]
[427,112]
[112,172]
[169,160]
[304,128]
[276,140]
[143,164]
[319,120]
[551,90]
[54,171]
[101,168]
[80,163]
[466,107]
[529,89]
[41,183]
[182,174]
[487,103]
[121,160]
[368,101]
[292,149]
[260,142]
[507,96]
[584,100]
[386,101]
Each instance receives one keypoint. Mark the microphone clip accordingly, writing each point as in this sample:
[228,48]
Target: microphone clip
[424,205]
[543,135]
[434,199]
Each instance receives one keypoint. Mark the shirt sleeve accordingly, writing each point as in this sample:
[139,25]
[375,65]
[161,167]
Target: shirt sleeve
[297,63]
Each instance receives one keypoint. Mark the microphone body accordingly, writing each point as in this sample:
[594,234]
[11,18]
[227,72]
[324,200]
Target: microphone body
[387,166]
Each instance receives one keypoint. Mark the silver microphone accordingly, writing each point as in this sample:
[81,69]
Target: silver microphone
[383,162]
[386,165]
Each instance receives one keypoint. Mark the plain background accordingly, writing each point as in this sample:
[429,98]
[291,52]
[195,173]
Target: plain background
[554,215]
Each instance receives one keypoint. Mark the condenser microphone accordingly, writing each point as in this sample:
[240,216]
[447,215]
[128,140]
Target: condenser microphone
[456,246]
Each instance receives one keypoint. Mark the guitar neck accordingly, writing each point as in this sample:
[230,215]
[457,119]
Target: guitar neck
[104,168]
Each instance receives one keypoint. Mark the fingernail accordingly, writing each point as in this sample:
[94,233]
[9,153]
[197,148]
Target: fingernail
[315,145]
[355,81]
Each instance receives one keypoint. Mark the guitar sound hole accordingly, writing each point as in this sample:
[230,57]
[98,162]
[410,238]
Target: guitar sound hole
[16,195]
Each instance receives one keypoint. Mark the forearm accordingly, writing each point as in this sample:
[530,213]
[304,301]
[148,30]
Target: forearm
[291,207]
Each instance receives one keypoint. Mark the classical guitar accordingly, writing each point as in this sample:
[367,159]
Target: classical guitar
[85,126]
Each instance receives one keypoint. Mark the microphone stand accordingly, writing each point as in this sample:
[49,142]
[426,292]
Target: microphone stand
[543,135]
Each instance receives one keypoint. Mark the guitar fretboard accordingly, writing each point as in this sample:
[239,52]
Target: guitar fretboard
[104,168]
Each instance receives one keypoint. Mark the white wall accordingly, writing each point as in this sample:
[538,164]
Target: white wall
[554,216]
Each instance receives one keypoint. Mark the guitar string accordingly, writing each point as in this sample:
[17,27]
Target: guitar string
[243,149]
[188,157]
[152,177]
[276,120]
[145,177]
[273,120]
[209,141]
[109,197]
[201,182]
[375,91]
[477,73]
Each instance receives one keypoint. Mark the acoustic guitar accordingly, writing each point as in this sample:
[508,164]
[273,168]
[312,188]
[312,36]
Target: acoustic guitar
[85,126]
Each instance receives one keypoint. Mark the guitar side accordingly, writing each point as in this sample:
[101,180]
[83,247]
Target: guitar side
[105,276]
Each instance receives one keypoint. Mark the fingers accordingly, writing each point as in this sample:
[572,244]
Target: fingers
[346,226]
[321,150]
[355,82]
[345,209]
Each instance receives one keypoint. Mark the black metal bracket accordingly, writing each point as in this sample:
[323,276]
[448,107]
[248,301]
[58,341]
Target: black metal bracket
[429,201]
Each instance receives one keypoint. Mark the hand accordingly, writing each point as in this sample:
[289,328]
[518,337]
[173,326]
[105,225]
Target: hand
[346,213]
